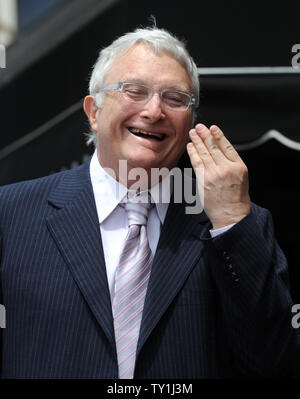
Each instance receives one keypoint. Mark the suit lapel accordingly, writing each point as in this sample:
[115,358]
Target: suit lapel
[178,251]
[75,229]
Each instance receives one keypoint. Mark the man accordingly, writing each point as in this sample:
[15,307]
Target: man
[208,293]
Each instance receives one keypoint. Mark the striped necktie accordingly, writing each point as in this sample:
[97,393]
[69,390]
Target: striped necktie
[131,280]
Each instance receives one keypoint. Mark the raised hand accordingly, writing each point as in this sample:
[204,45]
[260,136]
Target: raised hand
[225,186]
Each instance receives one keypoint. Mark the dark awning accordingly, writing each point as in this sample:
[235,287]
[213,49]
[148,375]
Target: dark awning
[253,108]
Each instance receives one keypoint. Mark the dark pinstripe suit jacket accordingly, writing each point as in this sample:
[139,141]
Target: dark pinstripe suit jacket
[214,308]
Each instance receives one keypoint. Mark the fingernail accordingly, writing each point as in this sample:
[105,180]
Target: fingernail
[214,129]
[193,132]
[200,128]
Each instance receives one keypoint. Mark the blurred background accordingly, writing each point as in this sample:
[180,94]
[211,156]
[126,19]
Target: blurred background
[248,87]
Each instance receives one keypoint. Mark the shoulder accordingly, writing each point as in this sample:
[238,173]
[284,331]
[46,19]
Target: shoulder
[260,212]
[38,190]
[12,192]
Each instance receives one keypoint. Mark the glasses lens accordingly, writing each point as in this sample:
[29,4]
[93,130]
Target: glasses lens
[173,99]
[135,92]
[176,100]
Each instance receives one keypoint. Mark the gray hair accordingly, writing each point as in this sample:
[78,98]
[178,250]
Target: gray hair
[159,40]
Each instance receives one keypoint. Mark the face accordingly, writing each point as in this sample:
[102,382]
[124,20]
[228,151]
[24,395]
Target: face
[119,123]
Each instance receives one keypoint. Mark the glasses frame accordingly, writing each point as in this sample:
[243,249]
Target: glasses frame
[119,86]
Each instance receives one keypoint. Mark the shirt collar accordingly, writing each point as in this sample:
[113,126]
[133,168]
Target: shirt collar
[109,192]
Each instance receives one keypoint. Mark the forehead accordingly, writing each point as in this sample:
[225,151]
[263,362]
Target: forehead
[140,63]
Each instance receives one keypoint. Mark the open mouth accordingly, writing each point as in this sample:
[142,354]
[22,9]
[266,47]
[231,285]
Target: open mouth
[146,135]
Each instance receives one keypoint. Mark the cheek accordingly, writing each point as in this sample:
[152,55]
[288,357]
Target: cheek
[183,128]
[116,117]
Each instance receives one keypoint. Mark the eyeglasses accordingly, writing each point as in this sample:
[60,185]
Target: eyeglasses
[137,93]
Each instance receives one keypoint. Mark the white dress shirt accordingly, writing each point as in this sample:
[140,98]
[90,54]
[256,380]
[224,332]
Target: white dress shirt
[108,194]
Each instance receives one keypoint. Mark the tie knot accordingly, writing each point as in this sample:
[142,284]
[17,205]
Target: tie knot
[137,212]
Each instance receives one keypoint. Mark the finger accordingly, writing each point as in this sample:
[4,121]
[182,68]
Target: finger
[196,161]
[201,149]
[211,145]
[225,146]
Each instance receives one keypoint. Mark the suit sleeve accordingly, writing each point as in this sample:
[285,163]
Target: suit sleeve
[251,275]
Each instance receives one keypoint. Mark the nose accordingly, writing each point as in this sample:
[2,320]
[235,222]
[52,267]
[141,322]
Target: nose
[152,110]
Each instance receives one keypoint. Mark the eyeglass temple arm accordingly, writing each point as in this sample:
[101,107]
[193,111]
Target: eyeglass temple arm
[114,86]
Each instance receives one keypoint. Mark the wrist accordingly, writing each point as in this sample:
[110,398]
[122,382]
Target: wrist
[228,218]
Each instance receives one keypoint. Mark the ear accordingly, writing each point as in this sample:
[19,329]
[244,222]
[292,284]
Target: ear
[91,109]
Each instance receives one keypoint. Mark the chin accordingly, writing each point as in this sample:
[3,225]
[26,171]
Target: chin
[145,163]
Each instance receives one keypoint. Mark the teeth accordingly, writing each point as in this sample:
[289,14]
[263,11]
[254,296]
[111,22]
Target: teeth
[134,130]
